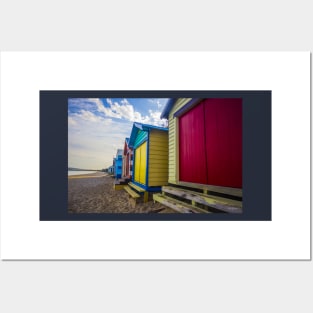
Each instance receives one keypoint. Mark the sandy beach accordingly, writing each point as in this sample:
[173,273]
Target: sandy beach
[94,193]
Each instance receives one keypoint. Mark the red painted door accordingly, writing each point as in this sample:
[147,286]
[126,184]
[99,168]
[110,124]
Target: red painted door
[223,141]
[192,146]
[210,143]
[127,165]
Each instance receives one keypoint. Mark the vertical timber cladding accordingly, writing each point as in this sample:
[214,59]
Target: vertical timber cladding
[210,143]
[158,158]
[173,141]
[141,163]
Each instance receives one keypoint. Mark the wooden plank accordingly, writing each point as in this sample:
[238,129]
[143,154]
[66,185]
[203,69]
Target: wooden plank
[167,202]
[136,187]
[157,183]
[158,168]
[119,187]
[158,175]
[177,205]
[181,192]
[159,149]
[159,140]
[154,179]
[226,190]
[155,158]
[146,196]
[159,146]
[132,193]
[154,133]
[158,153]
[163,144]
[163,163]
[163,139]
[157,162]
[223,204]
[156,172]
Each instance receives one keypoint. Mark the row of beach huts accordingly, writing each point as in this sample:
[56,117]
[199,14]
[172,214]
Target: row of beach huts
[194,165]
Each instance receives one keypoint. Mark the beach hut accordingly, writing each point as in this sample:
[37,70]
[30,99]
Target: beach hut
[118,163]
[150,148]
[205,146]
[127,160]
[205,140]
[111,169]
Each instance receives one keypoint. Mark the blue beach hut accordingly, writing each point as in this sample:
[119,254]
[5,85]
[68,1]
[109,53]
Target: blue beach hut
[118,163]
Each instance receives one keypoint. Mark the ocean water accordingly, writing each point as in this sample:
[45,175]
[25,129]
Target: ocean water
[71,173]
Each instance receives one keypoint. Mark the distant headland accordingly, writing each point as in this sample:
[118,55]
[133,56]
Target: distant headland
[81,169]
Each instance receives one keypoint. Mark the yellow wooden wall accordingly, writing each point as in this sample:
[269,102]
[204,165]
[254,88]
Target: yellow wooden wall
[158,158]
[173,141]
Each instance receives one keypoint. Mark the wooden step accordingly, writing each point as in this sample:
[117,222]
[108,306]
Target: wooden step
[118,187]
[140,190]
[223,204]
[131,192]
[134,186]
[177,205]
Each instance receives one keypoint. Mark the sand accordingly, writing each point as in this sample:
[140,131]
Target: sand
[94,193]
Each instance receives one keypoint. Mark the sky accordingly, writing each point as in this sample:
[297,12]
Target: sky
[97,127]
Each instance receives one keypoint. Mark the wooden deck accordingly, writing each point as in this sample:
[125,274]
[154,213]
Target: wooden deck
[237,192]
[190,201]
[177,205]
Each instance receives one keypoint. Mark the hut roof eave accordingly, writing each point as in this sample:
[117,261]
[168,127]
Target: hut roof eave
[144,127]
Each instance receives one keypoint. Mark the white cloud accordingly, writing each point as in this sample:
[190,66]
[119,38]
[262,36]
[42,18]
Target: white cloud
[160,103]
[71,121]
[89,116]
[91,138]
[119,110]
[96,129]
[125,110]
